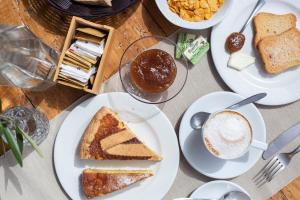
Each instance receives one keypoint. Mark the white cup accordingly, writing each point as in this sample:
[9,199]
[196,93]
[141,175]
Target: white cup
[253,143]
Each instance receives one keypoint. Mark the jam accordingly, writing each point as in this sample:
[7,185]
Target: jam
[235,42]
[153,71]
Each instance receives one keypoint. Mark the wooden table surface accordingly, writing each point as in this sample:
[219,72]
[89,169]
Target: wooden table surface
[142,19]
[50,25]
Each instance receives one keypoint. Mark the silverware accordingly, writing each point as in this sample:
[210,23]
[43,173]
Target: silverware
[233,195]
[281,141]
[199,118]
[274,166]
[258,5]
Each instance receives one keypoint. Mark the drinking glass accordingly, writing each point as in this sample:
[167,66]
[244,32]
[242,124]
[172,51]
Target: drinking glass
[25,61]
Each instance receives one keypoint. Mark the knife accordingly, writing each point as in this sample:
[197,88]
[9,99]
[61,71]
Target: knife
[281,141]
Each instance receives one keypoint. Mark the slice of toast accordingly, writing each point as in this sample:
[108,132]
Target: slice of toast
[96,183]
[268,24]
[280,52]
[107,137]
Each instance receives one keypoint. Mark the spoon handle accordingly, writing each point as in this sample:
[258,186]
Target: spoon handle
[259,4]
[249,100]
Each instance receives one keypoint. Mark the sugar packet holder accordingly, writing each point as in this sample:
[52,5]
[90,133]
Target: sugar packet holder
[97,82]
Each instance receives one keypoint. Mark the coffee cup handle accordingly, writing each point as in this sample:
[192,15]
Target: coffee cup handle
[259,145]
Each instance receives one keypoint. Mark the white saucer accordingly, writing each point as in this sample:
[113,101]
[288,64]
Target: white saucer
[196,154]
[215,189]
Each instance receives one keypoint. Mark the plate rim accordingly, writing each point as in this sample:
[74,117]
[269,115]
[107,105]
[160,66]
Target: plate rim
[181,140]
[104,95]
[232,83]
[219,182]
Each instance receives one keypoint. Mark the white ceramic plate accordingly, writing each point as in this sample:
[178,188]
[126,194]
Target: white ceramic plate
[175,19]
[281,89]
[150,125]
[194,150]
[216,189]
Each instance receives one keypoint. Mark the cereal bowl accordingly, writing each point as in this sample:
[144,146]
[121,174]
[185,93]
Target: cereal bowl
[177,20]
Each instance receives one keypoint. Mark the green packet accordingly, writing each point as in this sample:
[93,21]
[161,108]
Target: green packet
[196,50]
[183,41]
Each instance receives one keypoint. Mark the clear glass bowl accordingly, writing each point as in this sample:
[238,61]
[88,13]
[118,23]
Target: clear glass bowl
[139,46]
[30,121]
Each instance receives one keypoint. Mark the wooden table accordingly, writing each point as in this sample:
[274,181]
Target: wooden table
[142,19]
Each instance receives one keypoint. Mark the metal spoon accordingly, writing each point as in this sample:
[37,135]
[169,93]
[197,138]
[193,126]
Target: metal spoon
[199,118]
[233,195]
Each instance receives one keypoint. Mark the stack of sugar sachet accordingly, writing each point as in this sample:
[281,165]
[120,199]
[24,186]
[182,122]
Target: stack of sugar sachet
[80,61]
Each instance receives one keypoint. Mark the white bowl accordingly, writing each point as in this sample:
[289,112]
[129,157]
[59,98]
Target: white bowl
[175,19]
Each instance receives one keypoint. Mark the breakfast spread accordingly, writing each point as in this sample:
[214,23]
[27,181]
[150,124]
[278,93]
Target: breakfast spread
[97,183]
[235,42]
[96,2]
[269,24]
[227,134]
[153,71]
[79,64]
[107,137]
[240,61]
[195,10]
[280,52]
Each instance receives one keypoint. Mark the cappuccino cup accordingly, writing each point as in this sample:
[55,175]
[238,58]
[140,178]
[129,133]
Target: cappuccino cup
[228,135]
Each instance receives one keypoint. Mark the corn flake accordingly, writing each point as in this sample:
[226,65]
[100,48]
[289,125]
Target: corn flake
[195,10]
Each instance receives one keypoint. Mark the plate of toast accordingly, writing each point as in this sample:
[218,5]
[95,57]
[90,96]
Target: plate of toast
[114,147]
[270,58]
[91,8]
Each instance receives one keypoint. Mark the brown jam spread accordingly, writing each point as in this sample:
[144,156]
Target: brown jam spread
[235,42]
[153,71]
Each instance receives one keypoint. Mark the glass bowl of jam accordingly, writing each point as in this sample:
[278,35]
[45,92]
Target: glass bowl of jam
[152,75]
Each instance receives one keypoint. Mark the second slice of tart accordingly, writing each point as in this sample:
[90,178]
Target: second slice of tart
[107,137]
[97,183]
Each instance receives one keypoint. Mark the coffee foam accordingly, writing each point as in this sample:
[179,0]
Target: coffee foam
[227,134]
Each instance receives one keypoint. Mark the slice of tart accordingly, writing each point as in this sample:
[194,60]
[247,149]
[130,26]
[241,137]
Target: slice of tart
[109,138]
[97,183]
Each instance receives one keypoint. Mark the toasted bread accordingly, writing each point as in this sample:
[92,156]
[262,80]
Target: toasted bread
[268,24]
[280,52]
[107,137]
[96,183]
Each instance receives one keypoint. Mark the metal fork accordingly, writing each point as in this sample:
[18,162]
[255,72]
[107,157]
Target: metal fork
[274,166]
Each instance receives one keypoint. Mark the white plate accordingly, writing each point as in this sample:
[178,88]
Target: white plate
[281,89]
[175,19]
[150,125]
[194,150]
[216,189]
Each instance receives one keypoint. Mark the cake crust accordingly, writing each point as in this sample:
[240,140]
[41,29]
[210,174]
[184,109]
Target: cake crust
[96,183]
[107,137]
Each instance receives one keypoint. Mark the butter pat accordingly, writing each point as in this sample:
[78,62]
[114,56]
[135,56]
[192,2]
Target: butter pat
[183,41]
[240,61]
[196,50]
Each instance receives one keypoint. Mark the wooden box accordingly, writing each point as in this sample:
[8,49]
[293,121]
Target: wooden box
[76,23]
